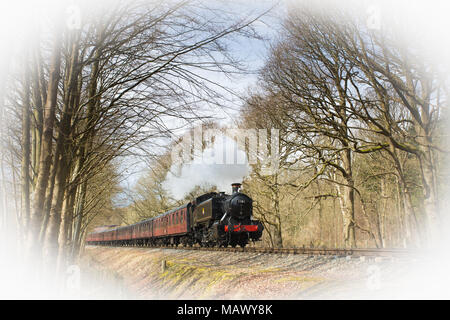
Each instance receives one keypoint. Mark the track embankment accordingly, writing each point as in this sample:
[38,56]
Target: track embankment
[159,273]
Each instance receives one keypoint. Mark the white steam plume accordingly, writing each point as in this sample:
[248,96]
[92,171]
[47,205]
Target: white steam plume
[205,170]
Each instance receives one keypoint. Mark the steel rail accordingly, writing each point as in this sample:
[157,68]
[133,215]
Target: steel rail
[340,252]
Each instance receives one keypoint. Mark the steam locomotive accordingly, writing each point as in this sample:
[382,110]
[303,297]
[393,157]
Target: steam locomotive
[212,219]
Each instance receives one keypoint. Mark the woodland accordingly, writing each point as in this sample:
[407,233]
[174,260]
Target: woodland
[361,114]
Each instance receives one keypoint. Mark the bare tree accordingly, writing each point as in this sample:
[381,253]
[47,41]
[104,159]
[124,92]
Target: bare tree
[107,90]
[343,93]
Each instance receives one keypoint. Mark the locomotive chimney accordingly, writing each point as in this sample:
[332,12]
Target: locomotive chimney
[235,187]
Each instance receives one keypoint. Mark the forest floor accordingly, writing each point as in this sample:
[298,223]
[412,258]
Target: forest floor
[137,273]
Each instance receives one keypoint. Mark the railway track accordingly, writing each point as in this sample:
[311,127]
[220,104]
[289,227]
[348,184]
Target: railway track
[355,252]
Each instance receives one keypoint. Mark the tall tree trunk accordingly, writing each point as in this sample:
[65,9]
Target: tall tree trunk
[381,214]
[38,102]
[320,208]
[64,230]
[348,201]
[26,150]
[52,234]
[425,155]
[277,234]
[46,149]
[49,197]
[86,145]
[81,198]
[62,161]
[427,164]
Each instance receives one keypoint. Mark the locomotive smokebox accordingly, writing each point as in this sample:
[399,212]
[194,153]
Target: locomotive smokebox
[235,187]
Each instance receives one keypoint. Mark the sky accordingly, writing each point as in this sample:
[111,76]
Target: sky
[252,53]
[417,22]
[426,23]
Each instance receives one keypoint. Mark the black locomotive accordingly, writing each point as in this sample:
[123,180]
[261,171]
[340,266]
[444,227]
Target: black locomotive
[212,219]
[221,219]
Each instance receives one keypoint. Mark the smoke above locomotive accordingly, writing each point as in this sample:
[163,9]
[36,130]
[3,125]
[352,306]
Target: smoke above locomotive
[212,219]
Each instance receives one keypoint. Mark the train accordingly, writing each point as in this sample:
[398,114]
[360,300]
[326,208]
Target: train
[212,219]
